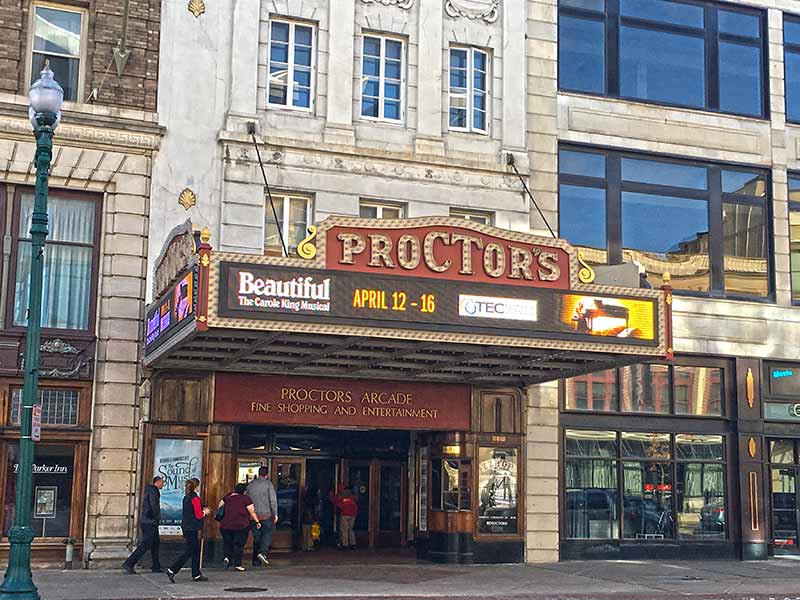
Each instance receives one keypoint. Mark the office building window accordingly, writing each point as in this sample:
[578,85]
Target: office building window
[57,33]
[291,65]
[791,58]
[478,216]
[794,235]
[68,265]
[469,89]
[382,78]
[704,224]
[369,209]
[293,213]
[695,55]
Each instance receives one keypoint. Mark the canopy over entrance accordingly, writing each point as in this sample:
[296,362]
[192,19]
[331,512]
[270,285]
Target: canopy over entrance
[433,299]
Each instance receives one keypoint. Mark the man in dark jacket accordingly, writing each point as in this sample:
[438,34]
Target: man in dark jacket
[150,518]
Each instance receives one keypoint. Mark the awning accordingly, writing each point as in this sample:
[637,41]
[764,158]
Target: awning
[432,299]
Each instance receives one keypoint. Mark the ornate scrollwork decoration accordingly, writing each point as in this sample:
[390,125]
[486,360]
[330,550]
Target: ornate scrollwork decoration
[58,346]
[586,272]
[404,4]
[307,248]
[484,10]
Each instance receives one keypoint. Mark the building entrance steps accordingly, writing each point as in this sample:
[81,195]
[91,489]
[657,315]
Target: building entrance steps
[595,580]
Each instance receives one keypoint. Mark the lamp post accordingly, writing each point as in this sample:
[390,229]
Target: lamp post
[46,97]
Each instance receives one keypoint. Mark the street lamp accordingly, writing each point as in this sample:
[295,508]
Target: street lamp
[46,97]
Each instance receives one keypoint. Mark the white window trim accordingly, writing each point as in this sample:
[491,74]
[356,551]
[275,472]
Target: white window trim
[81,58]
[285,199]
[290,74]
[473,215]
[470,128]
[382,80]
[380,206]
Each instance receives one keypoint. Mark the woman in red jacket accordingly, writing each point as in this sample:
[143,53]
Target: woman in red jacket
[348,508]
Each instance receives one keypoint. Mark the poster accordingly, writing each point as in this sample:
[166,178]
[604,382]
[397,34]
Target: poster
[497,488]
[176,460]
[45,503]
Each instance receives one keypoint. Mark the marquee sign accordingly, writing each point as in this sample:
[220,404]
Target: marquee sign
[174,312]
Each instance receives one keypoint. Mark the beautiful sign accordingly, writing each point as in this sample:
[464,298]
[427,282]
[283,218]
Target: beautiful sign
[447,252]
[176,460]
[243,398]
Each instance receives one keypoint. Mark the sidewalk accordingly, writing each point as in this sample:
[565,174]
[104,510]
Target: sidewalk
[776,579]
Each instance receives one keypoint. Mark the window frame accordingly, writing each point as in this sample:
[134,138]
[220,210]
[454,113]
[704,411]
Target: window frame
[789,48]
[291,64]
[81,417]
[470,108]
[383,37]
[82,58]
[380,205]
[96,255]
[614,186]
[286,202]
[474,216]
[793,206]
[613,22]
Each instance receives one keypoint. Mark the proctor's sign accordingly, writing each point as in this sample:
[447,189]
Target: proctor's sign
[447,252]
[242,398]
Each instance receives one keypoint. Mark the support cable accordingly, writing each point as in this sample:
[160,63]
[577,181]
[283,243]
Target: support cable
[251,129]
[510,161]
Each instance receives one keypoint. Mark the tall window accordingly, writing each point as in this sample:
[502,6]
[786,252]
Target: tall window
[59,406]
[685,54]
[382,78]
[704,224]
[794,235]
[69,256]
[57,38]
[649,389]
[291,65]
[369,209]
[293,215]
[469,68]
[644,486]
[477,216]
[791,57]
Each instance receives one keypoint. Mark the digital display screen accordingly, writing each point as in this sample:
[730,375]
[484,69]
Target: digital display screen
[783,379]
[176,306]
[270,292]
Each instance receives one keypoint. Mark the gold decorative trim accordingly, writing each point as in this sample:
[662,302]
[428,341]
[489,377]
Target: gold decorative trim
[752,448]
[187,199]
[197,7]
[307,248]
[755,525]
[585,273]
[750,385]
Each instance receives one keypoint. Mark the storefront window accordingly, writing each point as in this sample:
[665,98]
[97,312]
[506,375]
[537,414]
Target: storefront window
[593,391]
[497,488]
[51,502]
[451,483]
[698,391]
[645,389]
[661,495]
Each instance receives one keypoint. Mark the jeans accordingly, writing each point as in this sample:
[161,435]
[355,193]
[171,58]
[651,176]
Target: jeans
[262,538]
[148,541]
[233,541]
[347,537]
[191,550]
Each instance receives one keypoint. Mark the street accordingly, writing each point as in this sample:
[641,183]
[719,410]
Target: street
[776,579]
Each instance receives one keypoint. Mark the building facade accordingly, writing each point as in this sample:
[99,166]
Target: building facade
[656,133]
[105,56]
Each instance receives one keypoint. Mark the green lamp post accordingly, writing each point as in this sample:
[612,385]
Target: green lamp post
[46,97]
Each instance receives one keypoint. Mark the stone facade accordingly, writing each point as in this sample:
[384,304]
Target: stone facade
[104,148]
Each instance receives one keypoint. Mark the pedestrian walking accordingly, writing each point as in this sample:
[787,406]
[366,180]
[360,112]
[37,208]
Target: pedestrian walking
[148,523]
[237,514]
[265,501]
[191,524]
[348,509]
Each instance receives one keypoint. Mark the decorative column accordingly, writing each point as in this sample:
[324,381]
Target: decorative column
[429,73]
[341,43]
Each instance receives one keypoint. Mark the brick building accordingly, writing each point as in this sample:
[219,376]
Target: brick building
[105,55]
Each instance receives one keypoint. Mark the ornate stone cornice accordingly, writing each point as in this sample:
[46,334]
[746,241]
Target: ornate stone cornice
[405,4]
[484,10]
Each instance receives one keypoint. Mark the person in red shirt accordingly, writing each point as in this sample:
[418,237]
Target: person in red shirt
[348,509]
[235,525]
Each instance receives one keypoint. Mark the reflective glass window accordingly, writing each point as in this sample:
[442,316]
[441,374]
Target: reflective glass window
[695,446]
[744,229]
[645,389]
[382,78]
[701,501]
[592,499]
[581,54]
[647,490]
[740,78]
[571,162]
[593,391]
[57,38]
[664,173]
[738,23]
[469,80]
[698,391]
[745,183]
[664,11]
[291,65]
[582,216]
[782,452]
[591,443]
[646,445]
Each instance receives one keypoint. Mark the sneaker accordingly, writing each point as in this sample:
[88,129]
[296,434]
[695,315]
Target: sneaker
[226,561]
[240,568]
[128,569]
[200,578]
[171,575]
[263,559]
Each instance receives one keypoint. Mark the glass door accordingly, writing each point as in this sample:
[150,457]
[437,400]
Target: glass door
[784,472]
[391,508]
[288,475]
[359,480]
